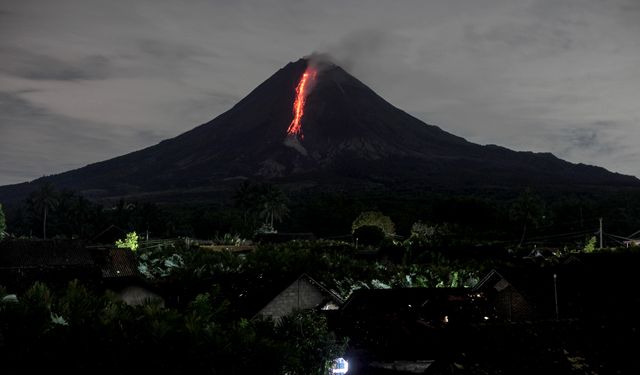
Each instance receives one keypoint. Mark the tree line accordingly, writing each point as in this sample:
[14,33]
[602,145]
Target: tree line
[514,216]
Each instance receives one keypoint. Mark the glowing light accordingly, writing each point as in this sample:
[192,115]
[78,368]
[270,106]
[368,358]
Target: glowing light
[340,366]
[302,91]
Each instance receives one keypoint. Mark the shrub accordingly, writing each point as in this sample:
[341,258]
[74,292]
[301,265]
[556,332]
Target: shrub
[374,218]
[369,235]
[130,242]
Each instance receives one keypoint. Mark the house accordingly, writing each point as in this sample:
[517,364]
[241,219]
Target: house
[541,253]
[538,293]
[56,262]
[592,286]
[402,330]
[433,307]
[119,270]
[304,293]
[510,303]
[23,262]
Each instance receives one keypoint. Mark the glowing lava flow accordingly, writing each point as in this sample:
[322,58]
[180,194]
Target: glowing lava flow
[302,91]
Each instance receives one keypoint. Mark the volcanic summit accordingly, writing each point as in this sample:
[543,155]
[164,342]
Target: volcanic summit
[314,124]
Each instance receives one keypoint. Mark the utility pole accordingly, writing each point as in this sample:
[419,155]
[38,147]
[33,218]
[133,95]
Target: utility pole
[555,293]
[600,233]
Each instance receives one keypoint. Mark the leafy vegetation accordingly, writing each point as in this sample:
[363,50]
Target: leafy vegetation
[44,328]
[374,219]
[129,242]
[248,281]
[590,245]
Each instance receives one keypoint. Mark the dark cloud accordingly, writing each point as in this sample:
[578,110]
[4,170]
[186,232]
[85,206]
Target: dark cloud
[586,139]
[13,106]
[35,142]
[526,38]
[23,63]
[170,51]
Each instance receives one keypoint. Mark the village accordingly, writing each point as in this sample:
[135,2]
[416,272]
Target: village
[390,307]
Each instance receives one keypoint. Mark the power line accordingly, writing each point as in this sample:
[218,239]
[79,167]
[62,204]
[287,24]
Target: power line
[620,237]
[561,235]
[564,223]
[615,239]
[634,234]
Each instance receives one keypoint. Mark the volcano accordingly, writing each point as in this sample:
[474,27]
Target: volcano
[346,136]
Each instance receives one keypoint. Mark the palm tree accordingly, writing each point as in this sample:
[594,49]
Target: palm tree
[274,205]
[45,199]
[246,199]
[81,213]
[527,209]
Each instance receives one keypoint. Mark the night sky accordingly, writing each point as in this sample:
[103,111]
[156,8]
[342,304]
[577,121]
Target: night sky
[83,81]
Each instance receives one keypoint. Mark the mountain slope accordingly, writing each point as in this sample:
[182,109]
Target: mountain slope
[351,137]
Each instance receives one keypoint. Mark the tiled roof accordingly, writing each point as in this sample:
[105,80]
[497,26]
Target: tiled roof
[52,253]
[118,263]
[323,289]
[263,300]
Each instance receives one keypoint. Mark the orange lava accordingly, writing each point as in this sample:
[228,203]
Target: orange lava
[302,91]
